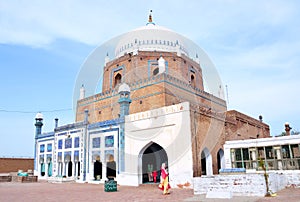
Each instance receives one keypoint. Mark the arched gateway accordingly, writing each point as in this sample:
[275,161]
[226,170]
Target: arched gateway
[206,162]
[151,158]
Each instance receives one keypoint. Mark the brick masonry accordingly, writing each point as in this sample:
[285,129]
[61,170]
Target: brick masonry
[211,123]
[8,165]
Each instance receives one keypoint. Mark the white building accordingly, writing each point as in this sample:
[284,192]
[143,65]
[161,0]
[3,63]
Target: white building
[278,153]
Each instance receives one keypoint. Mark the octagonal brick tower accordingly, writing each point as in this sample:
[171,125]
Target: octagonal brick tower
[160,66]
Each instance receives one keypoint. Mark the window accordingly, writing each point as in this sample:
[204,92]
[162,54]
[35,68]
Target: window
[68,143]
[242,158]
[245,153]
[96,142]
[42,148]
[238,155]
[261,153]
[76,156]
[193,80]
[59,144]
[49,157]
[285,151]
[76,142]
[49,147]
[59,156]
[155,71]
[269,153]
[295,151]
[118,79]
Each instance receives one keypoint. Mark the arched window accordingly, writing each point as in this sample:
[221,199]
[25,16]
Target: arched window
[193,81]
[118,79]
[155,71]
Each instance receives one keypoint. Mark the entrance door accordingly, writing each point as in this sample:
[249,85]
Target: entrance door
[70,165]
[152,158]
[97,170]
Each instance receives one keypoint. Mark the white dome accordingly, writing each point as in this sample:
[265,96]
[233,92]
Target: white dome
[39,116]
[151,38]
[124,88]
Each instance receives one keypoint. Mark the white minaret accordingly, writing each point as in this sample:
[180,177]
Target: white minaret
[161,65]
[197,59]
[82,92]
[178,51]
[106,60]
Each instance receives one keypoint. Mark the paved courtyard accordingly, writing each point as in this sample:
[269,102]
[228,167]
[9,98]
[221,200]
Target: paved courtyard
[43,191]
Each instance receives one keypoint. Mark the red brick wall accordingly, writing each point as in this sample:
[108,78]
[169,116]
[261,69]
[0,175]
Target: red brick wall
[14,164]
[239,126]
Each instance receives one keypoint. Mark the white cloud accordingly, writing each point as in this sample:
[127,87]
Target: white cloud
[41,22]
[255,44]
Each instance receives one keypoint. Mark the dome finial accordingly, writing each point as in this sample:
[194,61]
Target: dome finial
[150,21]
[150,17]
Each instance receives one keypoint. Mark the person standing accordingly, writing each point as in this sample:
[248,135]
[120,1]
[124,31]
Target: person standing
[150,170]
[164,183]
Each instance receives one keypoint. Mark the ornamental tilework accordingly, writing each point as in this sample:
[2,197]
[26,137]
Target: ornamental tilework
[60,144]
[76,142]
[96,142]
[68,143]
[109,141]
[42,148]
[49,147]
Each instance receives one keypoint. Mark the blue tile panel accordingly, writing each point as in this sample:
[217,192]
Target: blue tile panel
[109,141]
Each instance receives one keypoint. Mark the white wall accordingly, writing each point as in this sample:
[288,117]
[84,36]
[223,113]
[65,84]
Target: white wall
[246,184]
[170,128]
[239,184]
[44,142]
[102,133]
[261,142]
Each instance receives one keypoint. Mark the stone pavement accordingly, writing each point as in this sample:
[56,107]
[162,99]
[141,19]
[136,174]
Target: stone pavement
[43,191]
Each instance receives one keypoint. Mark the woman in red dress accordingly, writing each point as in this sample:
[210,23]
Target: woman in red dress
[164,181]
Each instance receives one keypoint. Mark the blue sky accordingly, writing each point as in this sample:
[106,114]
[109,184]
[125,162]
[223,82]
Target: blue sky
[255,46]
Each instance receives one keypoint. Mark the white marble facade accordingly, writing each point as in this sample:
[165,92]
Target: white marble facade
[165,132]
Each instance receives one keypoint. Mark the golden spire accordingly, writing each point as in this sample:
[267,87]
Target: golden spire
[150,17]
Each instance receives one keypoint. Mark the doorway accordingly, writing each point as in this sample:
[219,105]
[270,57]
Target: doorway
[97,170]
[220,159]
[206,162]
[152,158]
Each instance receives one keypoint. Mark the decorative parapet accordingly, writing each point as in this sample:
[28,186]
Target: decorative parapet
[112,122]
[69,127]
[155,80]
[234,116]
[45,135]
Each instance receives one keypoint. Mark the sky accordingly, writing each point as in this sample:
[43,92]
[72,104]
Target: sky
[254,44]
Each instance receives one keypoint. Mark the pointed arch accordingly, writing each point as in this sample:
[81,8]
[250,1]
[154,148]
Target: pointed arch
[221,159]
[117,79]
[193,80]
[206,162]
[151,156]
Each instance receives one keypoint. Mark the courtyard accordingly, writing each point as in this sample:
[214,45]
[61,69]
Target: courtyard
[44,191]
